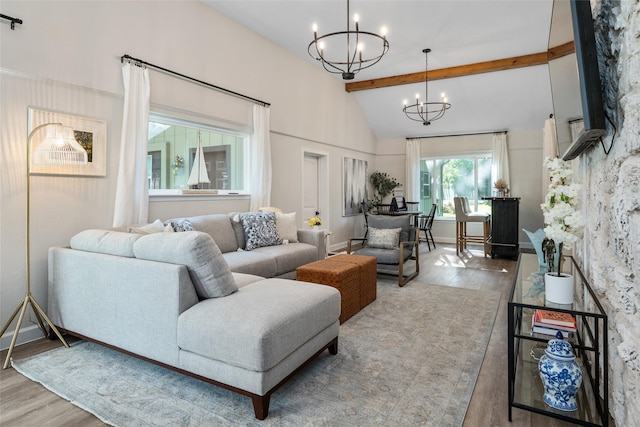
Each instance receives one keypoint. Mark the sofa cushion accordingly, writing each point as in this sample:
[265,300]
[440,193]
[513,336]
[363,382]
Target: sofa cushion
[251,262]
[386,256]
[287,227]
[384,238]
[218,226]
[237,228]
[243,279]
[260,229]
[289,257]
[109,242]
[207,267]
[263,334]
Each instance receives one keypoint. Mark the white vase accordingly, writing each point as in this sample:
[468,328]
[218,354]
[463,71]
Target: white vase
[315,227]
[558,289]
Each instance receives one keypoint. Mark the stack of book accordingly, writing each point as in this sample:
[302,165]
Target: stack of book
[549,322]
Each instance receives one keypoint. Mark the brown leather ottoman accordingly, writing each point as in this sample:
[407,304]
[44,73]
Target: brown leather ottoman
[345,277]
[368,275]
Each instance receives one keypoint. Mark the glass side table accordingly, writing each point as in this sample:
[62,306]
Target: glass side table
[525,348]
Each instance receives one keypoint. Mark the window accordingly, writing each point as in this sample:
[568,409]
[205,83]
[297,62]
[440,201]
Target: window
[442,179]
[172,149]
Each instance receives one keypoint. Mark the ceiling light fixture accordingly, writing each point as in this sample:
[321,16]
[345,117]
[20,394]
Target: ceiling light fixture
[426,111]
[353,61]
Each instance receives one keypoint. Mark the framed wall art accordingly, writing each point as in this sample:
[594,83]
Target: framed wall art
[354,185]
[90,133]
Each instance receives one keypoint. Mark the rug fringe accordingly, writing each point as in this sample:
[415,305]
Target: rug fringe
[53,390]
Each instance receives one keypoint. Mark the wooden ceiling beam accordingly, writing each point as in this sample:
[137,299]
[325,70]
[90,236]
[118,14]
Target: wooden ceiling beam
[465,70]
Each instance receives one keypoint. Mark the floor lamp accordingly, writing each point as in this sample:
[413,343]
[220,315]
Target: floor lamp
[58,147]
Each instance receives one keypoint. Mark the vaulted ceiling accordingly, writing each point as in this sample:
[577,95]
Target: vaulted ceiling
[458,32]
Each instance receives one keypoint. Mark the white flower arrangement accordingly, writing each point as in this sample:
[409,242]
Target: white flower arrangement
[501,184]
[562,219]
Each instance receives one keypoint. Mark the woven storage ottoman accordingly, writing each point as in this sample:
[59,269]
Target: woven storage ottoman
[342,276]
[368,275]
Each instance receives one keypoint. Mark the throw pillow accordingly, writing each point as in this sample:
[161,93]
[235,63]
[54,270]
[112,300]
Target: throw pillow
[287,227]
[384,238]
[197,251]
[260,229]
[155,227]
[180,224]
[270,209]
[403,222]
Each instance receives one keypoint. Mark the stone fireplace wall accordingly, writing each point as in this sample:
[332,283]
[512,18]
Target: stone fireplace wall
[610,253]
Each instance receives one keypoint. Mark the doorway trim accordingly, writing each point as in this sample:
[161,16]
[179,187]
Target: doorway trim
[323,184]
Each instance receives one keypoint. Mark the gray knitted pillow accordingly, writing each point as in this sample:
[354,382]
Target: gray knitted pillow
[207,267]
[384,238]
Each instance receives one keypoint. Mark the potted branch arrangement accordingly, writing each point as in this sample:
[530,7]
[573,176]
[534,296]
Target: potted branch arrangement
[383,184]
[563,227]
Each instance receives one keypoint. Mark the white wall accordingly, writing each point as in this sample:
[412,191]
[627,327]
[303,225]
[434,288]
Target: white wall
[65,57]
[525,166]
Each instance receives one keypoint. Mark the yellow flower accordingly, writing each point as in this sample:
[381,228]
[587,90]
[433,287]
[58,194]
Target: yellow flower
[314,221]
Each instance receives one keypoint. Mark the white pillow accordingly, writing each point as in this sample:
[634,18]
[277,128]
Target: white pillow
[287,227]
[155,227]
[269,209]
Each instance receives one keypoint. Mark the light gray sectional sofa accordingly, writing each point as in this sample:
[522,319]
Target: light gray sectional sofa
[172,298]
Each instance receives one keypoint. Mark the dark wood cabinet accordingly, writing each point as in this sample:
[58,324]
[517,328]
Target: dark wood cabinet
[504,226]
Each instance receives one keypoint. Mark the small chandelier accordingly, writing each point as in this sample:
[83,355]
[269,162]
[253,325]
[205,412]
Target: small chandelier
[426,111]
[352,61]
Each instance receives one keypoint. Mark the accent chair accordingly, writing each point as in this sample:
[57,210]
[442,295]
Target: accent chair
[393,240]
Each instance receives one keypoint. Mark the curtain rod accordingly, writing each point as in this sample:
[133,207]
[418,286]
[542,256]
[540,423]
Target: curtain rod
[409,138]
[14,21]
[212,86]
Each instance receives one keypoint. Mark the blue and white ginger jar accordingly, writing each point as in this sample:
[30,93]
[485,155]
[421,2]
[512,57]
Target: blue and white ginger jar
[560,375]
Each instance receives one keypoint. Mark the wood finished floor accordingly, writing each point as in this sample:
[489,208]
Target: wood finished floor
[26,403]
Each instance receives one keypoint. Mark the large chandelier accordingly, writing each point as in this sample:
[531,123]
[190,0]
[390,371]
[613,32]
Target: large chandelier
[353,60]
[426,111]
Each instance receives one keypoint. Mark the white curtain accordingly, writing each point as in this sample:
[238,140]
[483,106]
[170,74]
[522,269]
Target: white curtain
[412,168]
[500,159]
[260,177]
[549,149]
[132,190]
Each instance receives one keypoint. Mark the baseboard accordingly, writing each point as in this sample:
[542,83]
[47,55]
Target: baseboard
[27,334]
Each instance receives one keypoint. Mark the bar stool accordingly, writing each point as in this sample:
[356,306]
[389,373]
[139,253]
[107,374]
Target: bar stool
[465,215]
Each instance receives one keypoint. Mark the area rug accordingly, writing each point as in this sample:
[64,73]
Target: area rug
[411,358]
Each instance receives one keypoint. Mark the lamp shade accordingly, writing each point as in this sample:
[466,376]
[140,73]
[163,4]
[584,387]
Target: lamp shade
[59,147]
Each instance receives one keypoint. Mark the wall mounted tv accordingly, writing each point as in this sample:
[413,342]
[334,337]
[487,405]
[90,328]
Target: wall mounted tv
[575,78]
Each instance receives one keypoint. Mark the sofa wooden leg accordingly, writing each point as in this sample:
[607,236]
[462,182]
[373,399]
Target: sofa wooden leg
[333,347]
[261,406]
